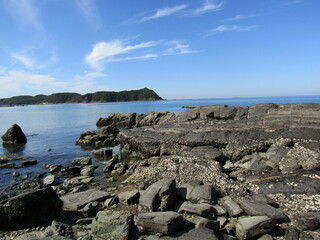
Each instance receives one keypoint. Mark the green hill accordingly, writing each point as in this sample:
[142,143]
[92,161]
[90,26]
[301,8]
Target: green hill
[144,94]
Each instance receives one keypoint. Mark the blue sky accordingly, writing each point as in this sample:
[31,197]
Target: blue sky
[181,49]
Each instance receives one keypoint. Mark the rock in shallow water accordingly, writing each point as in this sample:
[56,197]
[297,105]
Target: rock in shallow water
[14,135]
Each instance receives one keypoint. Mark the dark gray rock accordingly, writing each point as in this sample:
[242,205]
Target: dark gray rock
[159,196]
[113,225]
[129,197]
[249,227]
[14,135]
[19,211]
[201,222]
[261,209]
[88,170]
[109,165]
[81,161]
[29,163]
[197,193]
[54,168]
[199,233]
[120,168]
[201,209]
[91,209]
[160,222]
[7,165]
[76,201]
[231,206]
[102,153]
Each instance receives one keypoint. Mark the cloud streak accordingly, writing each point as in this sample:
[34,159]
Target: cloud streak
[26,61]
[239,17]
[234,28]
[164,12]
[208,6]
[118,51]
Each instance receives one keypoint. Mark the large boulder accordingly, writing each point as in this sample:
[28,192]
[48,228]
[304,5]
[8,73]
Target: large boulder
[30,209]
[14,135]
[112,225]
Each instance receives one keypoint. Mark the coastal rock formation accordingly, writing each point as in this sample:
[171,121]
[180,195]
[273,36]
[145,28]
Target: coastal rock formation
[14,135]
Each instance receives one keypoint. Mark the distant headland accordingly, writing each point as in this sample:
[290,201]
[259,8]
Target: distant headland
[143,94]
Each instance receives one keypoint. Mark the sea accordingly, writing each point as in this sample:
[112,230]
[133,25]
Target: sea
[58,126]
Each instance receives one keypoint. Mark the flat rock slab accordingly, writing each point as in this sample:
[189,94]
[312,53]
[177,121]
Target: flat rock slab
[112,225]
[197,233]
[249,227]
[201,209]
[254,208]
[231,206]
[160,222]
[197,193]
[81,161]
[76,201]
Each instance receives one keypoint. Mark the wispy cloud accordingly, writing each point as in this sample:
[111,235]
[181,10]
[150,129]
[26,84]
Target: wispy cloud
[25,11]
[164,12]
[105,52]
[26,61]
[90,11]
[87,83]
[292,2]
[208,6]
[239,17]
[18,82]
[234,28]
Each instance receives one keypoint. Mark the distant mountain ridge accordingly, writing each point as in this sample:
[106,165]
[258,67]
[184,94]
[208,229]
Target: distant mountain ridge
[143,94]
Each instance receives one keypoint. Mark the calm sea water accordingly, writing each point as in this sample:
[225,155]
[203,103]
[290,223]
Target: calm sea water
[58,126]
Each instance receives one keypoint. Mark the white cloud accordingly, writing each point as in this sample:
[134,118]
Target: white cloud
[24,11]
[239,17]
[18,82]
[104,52]
[90,12]
[234,28]
[293,2]
[164,12]
[208,6]
[26,61]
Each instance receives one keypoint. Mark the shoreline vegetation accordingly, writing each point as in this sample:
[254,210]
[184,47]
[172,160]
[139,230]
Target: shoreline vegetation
[143,94]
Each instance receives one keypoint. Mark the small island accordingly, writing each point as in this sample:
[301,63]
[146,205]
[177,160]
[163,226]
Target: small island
[144,94]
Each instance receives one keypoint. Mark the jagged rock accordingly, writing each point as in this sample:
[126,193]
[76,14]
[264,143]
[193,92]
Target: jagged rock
[81,161]
[14,135]
[109,165]
[201,209]
[159,222]
[197,193]
[7,165]
[104,137]
[266,237]
[263,198]
[76,181]
[111,201]
[261,209]
[129,197]
[19,211]
[76,201]
[249,227]
[71,170]
[159,196]
[120,168]
[203,234]
[113,225]
[219,211]
[53,168]
[231,206]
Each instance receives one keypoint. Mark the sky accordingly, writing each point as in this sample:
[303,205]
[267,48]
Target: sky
[182,49]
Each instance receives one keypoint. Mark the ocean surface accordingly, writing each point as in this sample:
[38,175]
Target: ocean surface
[58,126]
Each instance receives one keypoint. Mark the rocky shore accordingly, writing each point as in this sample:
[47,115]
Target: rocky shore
[215,172]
